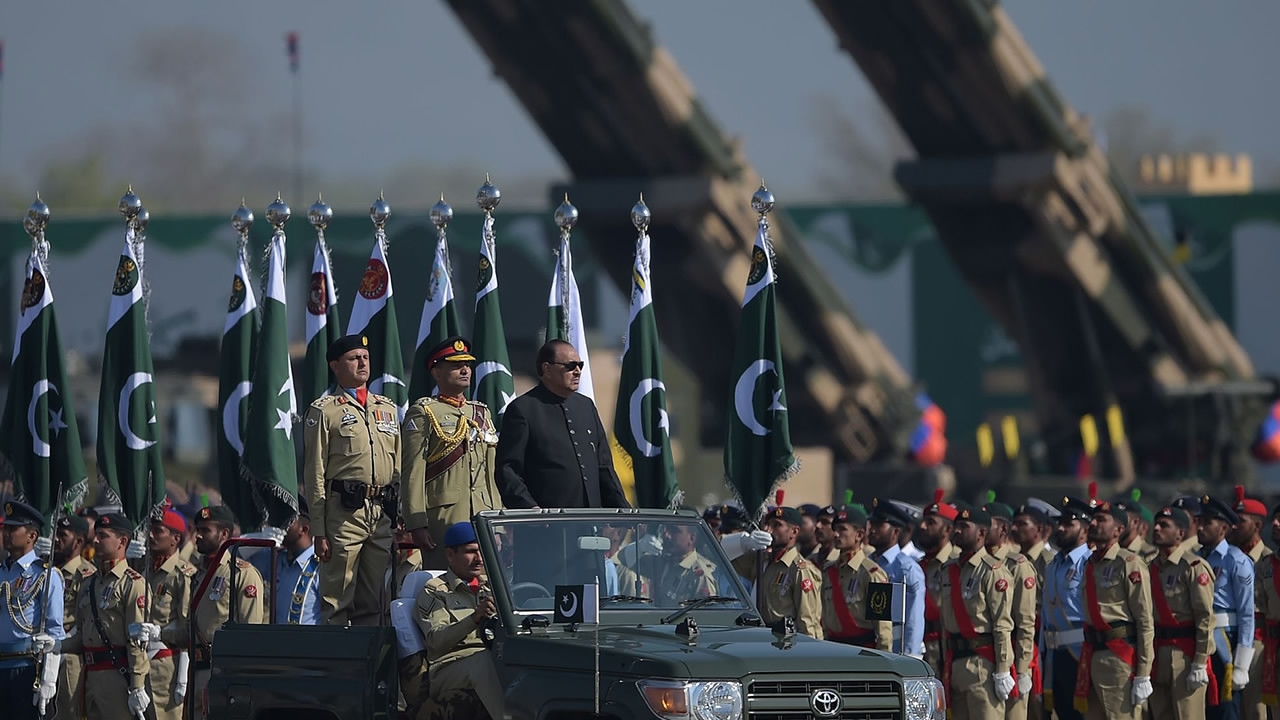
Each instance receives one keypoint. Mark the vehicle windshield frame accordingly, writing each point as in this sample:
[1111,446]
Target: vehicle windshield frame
[625,613]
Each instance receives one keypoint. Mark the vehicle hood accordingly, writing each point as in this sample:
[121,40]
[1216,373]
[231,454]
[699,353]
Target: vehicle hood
[717,652]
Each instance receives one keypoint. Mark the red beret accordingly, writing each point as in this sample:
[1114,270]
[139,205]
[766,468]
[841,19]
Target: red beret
[1249,506]
[940,508]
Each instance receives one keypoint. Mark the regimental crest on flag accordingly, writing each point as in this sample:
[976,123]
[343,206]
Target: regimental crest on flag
[485,274]
[126,276]
[759,266]
[318,300]
[237,294]
[437,277]
[33,290]
[879,596]
[374,283]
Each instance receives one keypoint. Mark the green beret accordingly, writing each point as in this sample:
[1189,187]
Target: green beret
[75,524]
[788,514]
[850,515]
[117,522]
[977,516]
[220,514]
[999,510]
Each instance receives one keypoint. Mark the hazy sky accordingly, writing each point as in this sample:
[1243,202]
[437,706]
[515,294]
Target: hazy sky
[390,83]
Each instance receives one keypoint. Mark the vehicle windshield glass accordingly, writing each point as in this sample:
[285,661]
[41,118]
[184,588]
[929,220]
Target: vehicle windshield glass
[636,564]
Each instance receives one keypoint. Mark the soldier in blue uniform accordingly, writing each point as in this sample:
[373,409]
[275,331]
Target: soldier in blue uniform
[1232,606]
[31,622]
[885,525]
[1061,609]
[296,594]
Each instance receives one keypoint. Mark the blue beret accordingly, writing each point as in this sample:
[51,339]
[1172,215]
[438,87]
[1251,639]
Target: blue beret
[458,534]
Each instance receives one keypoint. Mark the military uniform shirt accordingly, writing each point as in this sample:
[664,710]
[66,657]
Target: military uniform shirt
[791,587]
[854,574]
[1022,606]
[75,573]
[444,614]
[121,596]
[1187,582]
[448,466]
[907,572]
[986,590]
[171,590]
[1143,549]
[23,593]
[1233,588]
[687,578]
[344,441]
[1120,582]
[214,609]
[297,593]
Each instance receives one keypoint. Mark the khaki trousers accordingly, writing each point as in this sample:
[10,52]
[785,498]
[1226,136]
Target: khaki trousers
[1251,705]
[71,688]
[106,696]
[1171,699]
[352,583]
[973,696]
[160,680]
[1110,689]
[473,672]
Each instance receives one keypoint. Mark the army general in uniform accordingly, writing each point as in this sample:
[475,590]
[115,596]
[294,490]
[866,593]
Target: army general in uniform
[351,467]
[684,575]
[791,586]
[449,445]
[69,544]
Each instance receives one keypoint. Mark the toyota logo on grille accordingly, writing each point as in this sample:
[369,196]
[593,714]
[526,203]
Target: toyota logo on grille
[825,702]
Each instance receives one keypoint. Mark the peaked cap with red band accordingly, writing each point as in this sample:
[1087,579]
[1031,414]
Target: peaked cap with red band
[940,508]
[1247,505]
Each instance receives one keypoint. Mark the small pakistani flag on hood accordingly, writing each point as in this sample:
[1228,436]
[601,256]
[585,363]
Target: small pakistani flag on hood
[236,361]
[640,421]
[757,453]
[492,382]
[374,316]
[129,457]
[323,325]
[39,436]
[269,465]
[564,306]
[439,312]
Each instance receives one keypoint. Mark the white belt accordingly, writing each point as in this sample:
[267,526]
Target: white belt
[1224,620]
[1060,639]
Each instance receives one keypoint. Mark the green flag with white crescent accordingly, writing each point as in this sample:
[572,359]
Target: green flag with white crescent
[236,360]
[492,383]
[269,465]
[439,320]
[39,436]
[757,452]
[323,326]
[374,315]
[640,422]
[129,457]
[564,313]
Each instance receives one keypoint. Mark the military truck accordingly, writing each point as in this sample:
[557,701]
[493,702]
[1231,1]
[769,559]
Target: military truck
[666,645]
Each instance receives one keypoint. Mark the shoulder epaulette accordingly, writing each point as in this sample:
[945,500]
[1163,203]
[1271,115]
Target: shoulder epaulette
[322,401]
[382,398]
[478,404]
[990,560]
[1017,558]
[1128,555]
[435,584]
[132,574]
[187,569]
[242,563]
[86,570]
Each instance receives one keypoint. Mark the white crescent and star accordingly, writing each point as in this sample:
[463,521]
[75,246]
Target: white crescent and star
[491,366]
[643,388]
[38,390]
[744,393]
[131,385]
[572,601]
[285,421]
[231,415]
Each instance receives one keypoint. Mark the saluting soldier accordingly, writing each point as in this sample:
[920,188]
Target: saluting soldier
[1247,536]
[790,584]
[1114,678]
[683,574]
[1268,599]
[1182,597]
[170,603]
[69,542]
[1023,608]
[111,605]
[351,467]
[934,537]
[977,596]
[449,444]
[1233,605]
[846,583]
[31,619]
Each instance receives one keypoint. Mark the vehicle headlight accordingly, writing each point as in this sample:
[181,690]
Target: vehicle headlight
[693,700]
[924,698]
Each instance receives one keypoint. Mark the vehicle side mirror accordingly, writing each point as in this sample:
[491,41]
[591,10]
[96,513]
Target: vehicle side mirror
[594,543]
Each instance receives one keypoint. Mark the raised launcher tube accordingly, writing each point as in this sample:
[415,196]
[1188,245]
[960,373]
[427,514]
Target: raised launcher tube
[625,119]
[1050,239]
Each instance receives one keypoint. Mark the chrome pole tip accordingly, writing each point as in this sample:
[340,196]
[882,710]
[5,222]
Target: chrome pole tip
[141,220]
[242,219]
[380,212]
[319,214]
[278,213]
[566,215]
[37,217]
[640,215]
[762,200]
[488,196]
[441,214]
[130,204]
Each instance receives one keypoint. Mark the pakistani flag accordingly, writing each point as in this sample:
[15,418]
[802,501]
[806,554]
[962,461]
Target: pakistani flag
[129,458]
[439,320]
[757,452]
[269,464]
[374,316]
[492,383]
[640,422]
[564,313]
[235,379]
[323,326]
[39,438]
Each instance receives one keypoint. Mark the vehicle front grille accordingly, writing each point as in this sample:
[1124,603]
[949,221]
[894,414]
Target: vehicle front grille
[787,697]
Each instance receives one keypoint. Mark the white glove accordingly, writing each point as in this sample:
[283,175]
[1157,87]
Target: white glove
[48,682]
[1197,677]
[144,633]
[181,667]
[758,540]
[139,701]
[1240,668]
[1024,684]
[1141,690]
[135,550]
[44,548]
[738,543]
[1004,685]
[43,643]
[647,546]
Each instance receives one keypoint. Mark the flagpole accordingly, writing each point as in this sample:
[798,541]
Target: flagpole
[294,67]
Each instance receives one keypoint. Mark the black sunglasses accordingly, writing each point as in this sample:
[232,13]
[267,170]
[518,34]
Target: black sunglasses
[571,366]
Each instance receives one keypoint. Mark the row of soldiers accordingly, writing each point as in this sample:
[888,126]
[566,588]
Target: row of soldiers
[1041,610]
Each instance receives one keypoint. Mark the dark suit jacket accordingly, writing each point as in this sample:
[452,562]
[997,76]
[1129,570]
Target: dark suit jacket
[553,452]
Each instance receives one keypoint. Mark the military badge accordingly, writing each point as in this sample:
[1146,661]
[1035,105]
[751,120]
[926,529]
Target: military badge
[318,299]
[126,276]
[33,289]
[238,294]
[759,265]
[373,286]
[1002,585]
[1202,579]
[1135,577]
[251,591]
[1029,583]
[485,274]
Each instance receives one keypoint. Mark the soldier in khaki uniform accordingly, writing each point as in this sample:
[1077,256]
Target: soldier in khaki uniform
[242,589]
[683,574]
[68,547]
[1114,677]
[1182,598]
[449,612]
[933,537]
[449,444]
[845,584]
[111,604]
[1267,582]
[1023,608]
[1248,537]
[977,596]
[791,586]
[170,603]
[1134,537]
[351,468]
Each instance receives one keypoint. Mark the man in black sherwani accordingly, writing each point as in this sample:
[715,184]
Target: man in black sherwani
[553,451]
